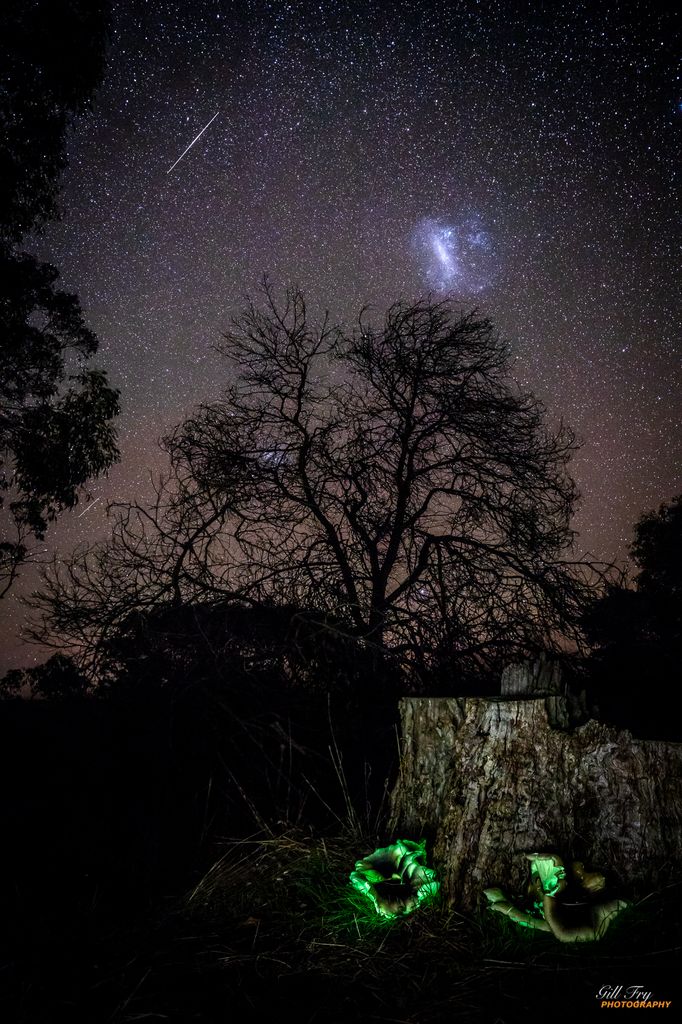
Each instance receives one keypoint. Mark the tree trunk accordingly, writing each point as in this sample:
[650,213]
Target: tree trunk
[487,779]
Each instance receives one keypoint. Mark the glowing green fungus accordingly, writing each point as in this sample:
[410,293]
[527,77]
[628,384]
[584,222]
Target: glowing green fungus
[551,911]
[550,873]
[395,878]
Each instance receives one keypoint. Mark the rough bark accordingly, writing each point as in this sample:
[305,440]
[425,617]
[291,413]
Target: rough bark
[487,779]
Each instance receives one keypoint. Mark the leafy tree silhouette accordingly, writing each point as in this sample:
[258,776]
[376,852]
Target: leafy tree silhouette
[636,630]
[56,415]
[57,679]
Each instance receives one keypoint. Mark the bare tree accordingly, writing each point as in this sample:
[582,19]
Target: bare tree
[393,478]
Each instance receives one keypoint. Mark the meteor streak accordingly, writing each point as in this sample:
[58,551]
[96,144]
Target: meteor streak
[192,143]
[89,507]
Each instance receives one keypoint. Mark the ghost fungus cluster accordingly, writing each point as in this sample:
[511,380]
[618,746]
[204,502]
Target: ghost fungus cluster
[395,878]
[583,918]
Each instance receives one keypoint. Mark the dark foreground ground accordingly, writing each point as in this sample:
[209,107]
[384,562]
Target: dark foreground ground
[124,899]
[274,926]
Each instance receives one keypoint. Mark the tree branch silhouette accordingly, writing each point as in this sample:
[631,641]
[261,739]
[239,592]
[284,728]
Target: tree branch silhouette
[393,479]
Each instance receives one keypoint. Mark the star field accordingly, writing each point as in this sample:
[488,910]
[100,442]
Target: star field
[522,160]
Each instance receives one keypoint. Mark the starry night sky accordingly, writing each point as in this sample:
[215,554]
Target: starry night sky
[521,158]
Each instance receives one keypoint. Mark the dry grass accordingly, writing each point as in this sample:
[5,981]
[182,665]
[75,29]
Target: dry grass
[274,925]
[294,922]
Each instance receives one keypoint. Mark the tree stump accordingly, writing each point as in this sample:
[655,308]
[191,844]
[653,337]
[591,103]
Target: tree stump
[488,779]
